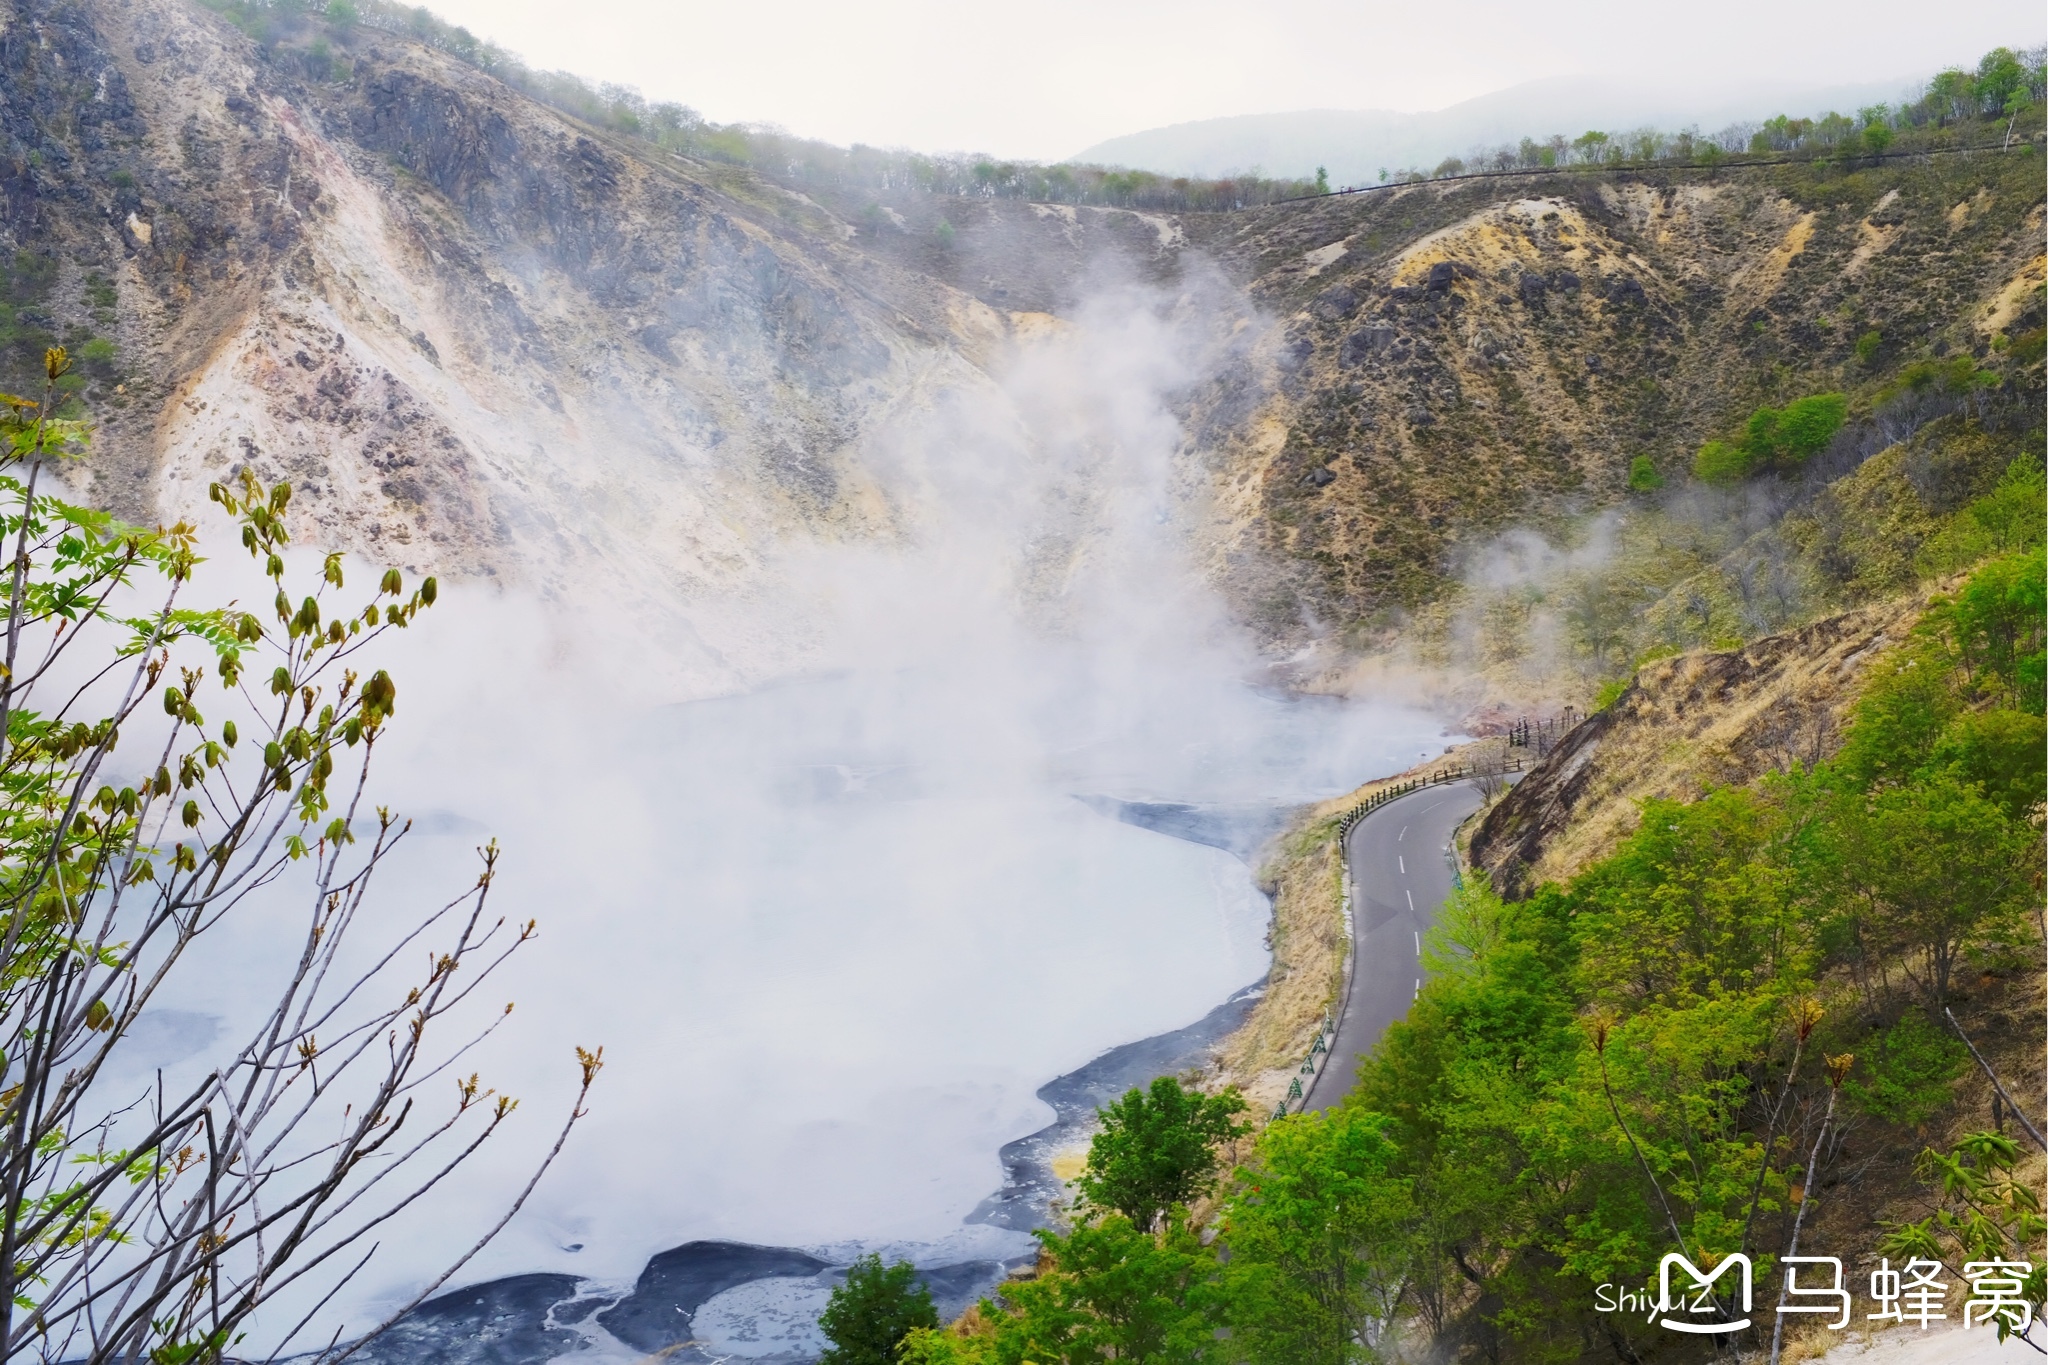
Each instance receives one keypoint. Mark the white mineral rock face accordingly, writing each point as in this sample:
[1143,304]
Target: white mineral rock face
[536,356]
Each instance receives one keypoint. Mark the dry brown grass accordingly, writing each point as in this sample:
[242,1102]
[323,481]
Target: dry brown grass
[1687,724]
[1690,727]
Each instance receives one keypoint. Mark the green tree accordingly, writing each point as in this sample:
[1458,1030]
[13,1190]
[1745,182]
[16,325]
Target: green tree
[1105,1292]
[1314,1231]
[2004,753]
[1135,1296]
[934,1346]
[870,1314]
[1156,1148]
[1322,180]
[1721,464]
[1996,623]
[1909,1071]
[1697,903]
[1907,703]
[1930,869]
[2000,76]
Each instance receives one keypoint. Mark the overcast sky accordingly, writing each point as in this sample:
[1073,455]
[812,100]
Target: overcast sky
[1047,78]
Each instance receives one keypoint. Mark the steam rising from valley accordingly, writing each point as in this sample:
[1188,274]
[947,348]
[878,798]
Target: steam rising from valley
[835,931]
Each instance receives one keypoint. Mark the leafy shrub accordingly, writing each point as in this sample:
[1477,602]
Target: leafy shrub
[1907,1072]
[1773,438]
[1721,464]
[1995,623]
[1867,344]
[1792,434]
[2004,752]
[1956,375]
[1643,476]
[868,1317]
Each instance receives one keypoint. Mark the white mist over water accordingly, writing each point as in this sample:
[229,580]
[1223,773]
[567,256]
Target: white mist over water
[835,932]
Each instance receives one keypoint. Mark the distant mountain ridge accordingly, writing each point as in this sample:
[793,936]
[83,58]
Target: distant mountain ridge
[1355,144]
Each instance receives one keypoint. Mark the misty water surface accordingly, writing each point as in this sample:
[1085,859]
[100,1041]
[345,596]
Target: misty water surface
[835,928]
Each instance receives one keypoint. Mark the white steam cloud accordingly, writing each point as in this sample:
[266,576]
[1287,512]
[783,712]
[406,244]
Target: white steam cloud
[835,932]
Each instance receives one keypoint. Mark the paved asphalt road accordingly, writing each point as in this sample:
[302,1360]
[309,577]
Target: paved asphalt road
[1400,877]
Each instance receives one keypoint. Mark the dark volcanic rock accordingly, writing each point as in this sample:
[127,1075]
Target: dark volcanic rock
[1238,830]
[504,1322]
[1371,340]
[1626,292]
[1444,274]
[956,1288]
[1336,303]
[675,1284]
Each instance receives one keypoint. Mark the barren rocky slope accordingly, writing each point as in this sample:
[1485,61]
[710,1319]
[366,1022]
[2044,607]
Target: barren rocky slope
[476,336]
[1466,356]
[482,336]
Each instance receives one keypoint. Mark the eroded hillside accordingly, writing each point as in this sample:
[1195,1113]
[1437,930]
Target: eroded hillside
[1684,727]
[475,335]
[481,336]
[1465,357]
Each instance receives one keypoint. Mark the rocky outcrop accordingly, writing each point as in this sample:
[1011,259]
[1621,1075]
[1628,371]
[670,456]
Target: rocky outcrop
[1684,725]
[1468,356]
[477,336]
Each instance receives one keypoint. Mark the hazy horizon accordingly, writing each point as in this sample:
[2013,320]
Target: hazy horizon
[1354,144]
[914,73]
